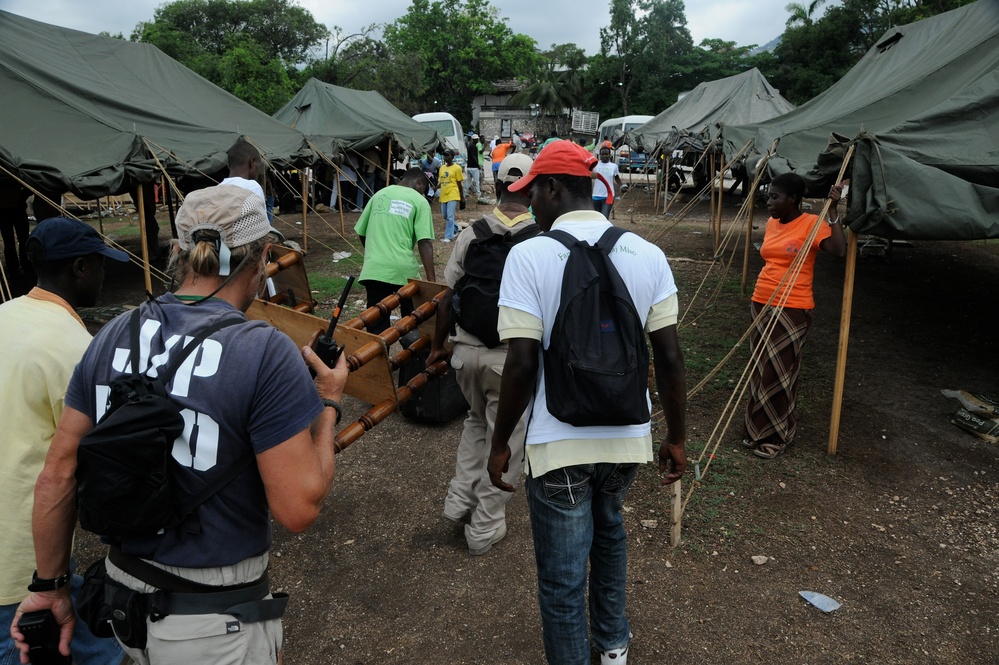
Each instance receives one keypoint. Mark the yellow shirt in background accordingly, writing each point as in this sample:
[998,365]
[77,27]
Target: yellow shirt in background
[44,339]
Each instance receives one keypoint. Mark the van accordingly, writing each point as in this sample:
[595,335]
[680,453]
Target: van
[612,130]
[450,129]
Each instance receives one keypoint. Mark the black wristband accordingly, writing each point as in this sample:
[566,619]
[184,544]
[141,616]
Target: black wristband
[336,405]
[42,584]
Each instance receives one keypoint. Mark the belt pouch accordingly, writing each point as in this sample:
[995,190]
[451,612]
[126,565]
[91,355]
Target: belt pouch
[91,603]
[129,609]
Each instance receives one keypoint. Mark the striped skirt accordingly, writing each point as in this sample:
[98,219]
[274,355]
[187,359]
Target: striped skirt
[771,415]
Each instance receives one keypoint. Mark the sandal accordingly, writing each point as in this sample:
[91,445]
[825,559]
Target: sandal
[749,443]
[768,450]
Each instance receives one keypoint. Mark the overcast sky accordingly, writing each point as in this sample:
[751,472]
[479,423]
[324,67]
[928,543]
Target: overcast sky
[547,21]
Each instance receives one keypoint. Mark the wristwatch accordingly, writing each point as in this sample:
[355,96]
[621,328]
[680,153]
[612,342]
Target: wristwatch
[42,584]
[336,405]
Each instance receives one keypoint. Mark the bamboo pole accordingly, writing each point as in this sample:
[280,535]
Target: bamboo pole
[145,247]
[305,209]
[100,216]
[844,339]
[749,240]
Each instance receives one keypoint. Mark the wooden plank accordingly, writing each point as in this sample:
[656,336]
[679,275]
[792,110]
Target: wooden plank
[371,383]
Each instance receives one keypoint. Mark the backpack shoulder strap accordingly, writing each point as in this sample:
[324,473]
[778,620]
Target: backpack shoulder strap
[610,238]
[133,340]
[566,239]
[189,506]
[189,348]
[525,233]
[481,229]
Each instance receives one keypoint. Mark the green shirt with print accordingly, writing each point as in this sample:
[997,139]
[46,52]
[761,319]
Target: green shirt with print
[395,219]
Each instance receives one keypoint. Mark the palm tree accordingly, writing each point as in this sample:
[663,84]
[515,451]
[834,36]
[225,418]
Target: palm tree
[556,85]
[800,13]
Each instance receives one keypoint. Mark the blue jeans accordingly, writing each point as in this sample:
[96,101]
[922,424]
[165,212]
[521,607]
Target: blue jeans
[575,518]
[86,649]
[601,206]
[450,228]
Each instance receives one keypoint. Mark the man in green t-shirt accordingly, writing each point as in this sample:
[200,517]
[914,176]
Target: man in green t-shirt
[396,219]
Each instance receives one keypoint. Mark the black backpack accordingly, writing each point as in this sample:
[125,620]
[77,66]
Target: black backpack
[124,473]
[597,360]
[475,303]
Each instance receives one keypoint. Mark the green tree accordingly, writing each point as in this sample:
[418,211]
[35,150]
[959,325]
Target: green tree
[555,86]
[361,62]
[280,27]
[814,54]
[250,48]
[644,45]
[464,46]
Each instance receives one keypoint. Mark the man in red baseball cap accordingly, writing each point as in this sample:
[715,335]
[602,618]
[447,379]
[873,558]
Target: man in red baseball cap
[578,476]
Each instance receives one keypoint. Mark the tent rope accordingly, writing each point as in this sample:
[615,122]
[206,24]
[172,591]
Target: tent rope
[773,311]
[133,258]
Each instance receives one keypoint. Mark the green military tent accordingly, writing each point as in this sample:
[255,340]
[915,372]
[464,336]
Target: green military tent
[337,119]
[923,108]
[736,100]
[81,112]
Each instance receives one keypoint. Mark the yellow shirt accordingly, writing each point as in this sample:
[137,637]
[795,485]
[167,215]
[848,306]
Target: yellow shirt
[44,339]
[450,178]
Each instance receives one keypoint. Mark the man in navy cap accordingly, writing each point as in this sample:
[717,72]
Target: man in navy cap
[44,338]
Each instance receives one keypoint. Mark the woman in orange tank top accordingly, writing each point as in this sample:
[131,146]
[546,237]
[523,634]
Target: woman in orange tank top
[771,417]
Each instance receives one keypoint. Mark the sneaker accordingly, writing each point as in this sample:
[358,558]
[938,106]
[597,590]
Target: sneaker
[617,656]
[614,656]
[445,240]
[499,535]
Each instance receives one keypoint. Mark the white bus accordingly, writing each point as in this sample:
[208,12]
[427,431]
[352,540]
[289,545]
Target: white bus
[447,126]
[613,129]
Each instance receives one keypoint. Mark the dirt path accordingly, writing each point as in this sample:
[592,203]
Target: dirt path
[900,526]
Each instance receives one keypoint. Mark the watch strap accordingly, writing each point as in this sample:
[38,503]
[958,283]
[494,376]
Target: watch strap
[43,584]
[336,405]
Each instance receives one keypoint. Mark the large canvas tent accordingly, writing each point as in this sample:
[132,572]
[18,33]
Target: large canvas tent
[736,100]
[923,105]
[81,112]
[337,119]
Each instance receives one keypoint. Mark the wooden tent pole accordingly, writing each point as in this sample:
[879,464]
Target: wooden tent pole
[711,216]
[5,292]
[388,164]
[663,174]
[171,213]
[676,512]
[339,200]
[305,209]
[844,339]
[100,217]
[749,240]
[145,247]
[721,192]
